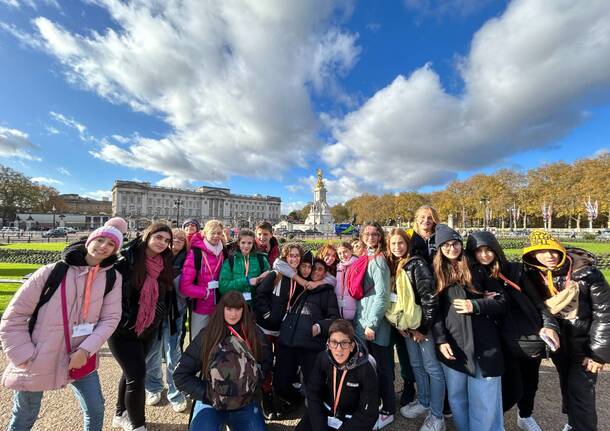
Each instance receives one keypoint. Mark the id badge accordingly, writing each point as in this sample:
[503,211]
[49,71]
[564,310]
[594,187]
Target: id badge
[393,297]
[213,284]
[341,303]
[82,329]
[334,423]
[247,296]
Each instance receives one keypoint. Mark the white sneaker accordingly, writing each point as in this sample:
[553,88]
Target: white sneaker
[122,421]
[140,428]
[432,423]
[527,424]
[383,421]
[567,427]
[179,407]
[413,410]
[153,398]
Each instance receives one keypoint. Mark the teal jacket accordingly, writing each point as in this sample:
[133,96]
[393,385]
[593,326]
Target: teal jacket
[237,279]
[370,310]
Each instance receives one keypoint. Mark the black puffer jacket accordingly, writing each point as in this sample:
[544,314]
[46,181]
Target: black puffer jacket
[358,406]
[522,322]
[271,301]
[589,334]
[422,281]
[472,337]
[425,248]
[131,296]
[312,306]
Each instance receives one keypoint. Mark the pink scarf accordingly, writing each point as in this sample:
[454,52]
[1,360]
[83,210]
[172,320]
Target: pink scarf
[149,293]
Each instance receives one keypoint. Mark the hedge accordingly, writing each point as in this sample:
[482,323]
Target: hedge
[41,257]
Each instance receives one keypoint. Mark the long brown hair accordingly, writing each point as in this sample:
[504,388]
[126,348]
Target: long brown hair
[138,270]
[323,252]
[447,274]
[217,329]
[381,247]
[396,263]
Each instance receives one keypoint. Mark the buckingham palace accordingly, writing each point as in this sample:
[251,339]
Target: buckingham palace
[140,203]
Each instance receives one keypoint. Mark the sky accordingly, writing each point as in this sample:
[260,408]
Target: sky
[384,97]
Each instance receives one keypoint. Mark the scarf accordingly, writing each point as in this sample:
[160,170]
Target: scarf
[216,249]
[149,294]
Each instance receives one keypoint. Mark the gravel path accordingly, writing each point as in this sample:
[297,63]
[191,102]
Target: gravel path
[61,412]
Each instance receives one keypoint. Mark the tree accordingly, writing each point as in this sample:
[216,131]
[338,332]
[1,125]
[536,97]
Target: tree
[340,213]
[17,193]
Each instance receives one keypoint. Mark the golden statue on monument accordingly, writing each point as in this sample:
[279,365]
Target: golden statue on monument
[320,183]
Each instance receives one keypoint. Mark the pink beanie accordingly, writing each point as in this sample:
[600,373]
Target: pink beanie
[119,223]
[110,232]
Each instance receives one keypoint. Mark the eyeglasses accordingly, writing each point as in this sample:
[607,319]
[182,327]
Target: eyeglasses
[334,344]
[451,244]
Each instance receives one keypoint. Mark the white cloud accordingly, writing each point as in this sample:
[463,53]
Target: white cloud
[64,171]
[175,182]
[10,3]
[15,143]
[52,130]
[98,194]
[232,79]
[46,180]
[72,123]
[288,207]
[293,188]
[529,77]
[441,8]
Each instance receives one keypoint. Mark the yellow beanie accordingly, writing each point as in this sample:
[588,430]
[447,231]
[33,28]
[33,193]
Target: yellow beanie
[540,240]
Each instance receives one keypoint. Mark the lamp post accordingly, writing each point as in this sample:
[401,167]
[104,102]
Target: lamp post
[484,201]
[177,204]
[54,211]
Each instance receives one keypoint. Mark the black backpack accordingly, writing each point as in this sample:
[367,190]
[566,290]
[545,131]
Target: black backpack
[197,258]
[59,271]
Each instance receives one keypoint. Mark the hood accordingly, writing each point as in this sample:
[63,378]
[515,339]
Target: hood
[581,259]
[359,356]
[483,238]
[542,240]
[444,234]
[129,250]
[197,241]
[348,263]
[74,254]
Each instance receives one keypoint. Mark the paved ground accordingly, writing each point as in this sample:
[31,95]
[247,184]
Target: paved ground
[60,411]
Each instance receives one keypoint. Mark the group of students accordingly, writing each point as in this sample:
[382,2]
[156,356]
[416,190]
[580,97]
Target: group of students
[271,328]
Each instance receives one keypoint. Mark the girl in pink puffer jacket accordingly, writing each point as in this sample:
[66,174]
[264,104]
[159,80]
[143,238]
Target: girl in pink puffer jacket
[39,361]
[347,304]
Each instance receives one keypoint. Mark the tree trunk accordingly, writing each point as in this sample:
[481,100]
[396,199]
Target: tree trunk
[550,223]
[502,222]
[524,221]
[578,223]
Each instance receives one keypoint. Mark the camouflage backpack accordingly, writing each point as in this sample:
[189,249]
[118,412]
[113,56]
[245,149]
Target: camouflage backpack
[234,375]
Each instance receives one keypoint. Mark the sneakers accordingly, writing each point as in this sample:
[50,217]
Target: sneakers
[122,421]
[408,393]
[140,428]
[432,423]
[153,398]
[567,427]
[179,407]
[383,421]
[413,410]
[268,407]
[527,424]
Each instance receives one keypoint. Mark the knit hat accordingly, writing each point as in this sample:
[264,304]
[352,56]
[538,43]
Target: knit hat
[307,258]
[119,223]
[192,221]
[110,232]
[444,233]
[539,240]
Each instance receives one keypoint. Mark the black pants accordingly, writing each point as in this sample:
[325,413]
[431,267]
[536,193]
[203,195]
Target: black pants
[520,383]
[286,365]
[577,391]
[385,375]
[130,353]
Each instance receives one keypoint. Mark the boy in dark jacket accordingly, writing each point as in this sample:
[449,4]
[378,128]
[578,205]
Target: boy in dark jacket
[568,285]
[342,391]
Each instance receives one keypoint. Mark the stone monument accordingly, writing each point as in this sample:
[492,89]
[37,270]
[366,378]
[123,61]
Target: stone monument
[319,217]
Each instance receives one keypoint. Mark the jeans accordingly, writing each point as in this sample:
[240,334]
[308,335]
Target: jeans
[88,391]
[169,347]
[476,402]
[429,376]
[206,418]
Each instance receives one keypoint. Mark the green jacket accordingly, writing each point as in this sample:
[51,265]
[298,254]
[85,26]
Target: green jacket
[236,279]
[370,310]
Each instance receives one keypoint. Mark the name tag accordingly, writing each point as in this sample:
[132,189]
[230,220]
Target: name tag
[393,297]
[247,296]
[334,423]
[341,302]
[82,329]
[213,284]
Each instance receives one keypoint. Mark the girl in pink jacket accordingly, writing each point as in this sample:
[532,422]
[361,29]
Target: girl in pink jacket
[347,304]
[39,361]
[202,288]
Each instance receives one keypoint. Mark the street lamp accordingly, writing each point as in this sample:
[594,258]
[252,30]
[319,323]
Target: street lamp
[54,211]
[484,201]
[177,204]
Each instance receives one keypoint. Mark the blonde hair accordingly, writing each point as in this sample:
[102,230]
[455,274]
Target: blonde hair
[180,234]
[428,210]
[210,225]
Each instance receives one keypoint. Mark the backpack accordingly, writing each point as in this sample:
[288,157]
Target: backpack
[405,313]
[197,258]
[234,375]
[58,273]
[354,277]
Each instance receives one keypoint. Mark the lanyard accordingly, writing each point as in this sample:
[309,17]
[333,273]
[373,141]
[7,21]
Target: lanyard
[293,288]
[337,391]
[90,277]
[218,263]
[548,280]
[510,283]
[247,264]
[239,337]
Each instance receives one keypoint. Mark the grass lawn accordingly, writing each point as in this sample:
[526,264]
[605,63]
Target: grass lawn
[16,270]
[6,293]
[52,246]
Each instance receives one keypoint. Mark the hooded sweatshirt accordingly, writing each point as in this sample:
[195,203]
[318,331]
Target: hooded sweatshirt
[358,405]
[588,333]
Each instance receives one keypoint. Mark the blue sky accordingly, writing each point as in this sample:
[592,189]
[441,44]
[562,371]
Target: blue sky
[383,96]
